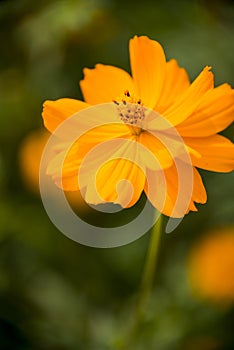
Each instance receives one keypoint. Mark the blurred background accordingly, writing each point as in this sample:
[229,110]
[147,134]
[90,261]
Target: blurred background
[56,294]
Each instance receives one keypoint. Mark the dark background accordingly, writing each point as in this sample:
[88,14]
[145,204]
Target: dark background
[54,293]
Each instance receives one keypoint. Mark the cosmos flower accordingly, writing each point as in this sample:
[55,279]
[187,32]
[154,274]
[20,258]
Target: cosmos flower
[211,266]
[197,111]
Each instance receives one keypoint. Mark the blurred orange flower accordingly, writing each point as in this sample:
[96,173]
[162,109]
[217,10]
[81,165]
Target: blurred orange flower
[197,110]
[29,161]
[211,266]
[30,156]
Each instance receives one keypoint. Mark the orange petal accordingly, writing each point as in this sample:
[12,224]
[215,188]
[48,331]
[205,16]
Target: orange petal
[70,159]
[175,83]
[191,207]
[186,103]
[160,153]
[118,181]
[63,168]
[163,198]
[214,113]
[115,175]
[165,192]
[148,68]
[217,153]
[105,132]
[55,112]
[199,192]
[105,83]
[165,144]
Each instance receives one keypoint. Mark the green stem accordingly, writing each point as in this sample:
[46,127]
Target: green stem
[150,265]
[146,282]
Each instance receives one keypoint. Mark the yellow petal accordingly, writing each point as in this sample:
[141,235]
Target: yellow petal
[217,153]
[186,103]
[175,83]
[105,83]
[55,112]
[148,68]
[214,113]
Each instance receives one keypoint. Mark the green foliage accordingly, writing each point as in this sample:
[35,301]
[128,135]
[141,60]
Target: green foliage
[55,293]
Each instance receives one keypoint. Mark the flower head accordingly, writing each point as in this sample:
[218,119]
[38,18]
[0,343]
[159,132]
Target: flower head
[196,112]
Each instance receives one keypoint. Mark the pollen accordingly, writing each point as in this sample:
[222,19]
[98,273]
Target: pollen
[130,109]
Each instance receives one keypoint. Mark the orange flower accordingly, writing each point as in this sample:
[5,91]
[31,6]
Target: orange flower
[211,266]
[30,156]
[197,111]
[30,153]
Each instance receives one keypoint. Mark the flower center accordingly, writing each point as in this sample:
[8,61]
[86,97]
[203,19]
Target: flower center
[130,109]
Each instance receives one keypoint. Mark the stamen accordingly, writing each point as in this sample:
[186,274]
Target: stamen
[130,109]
